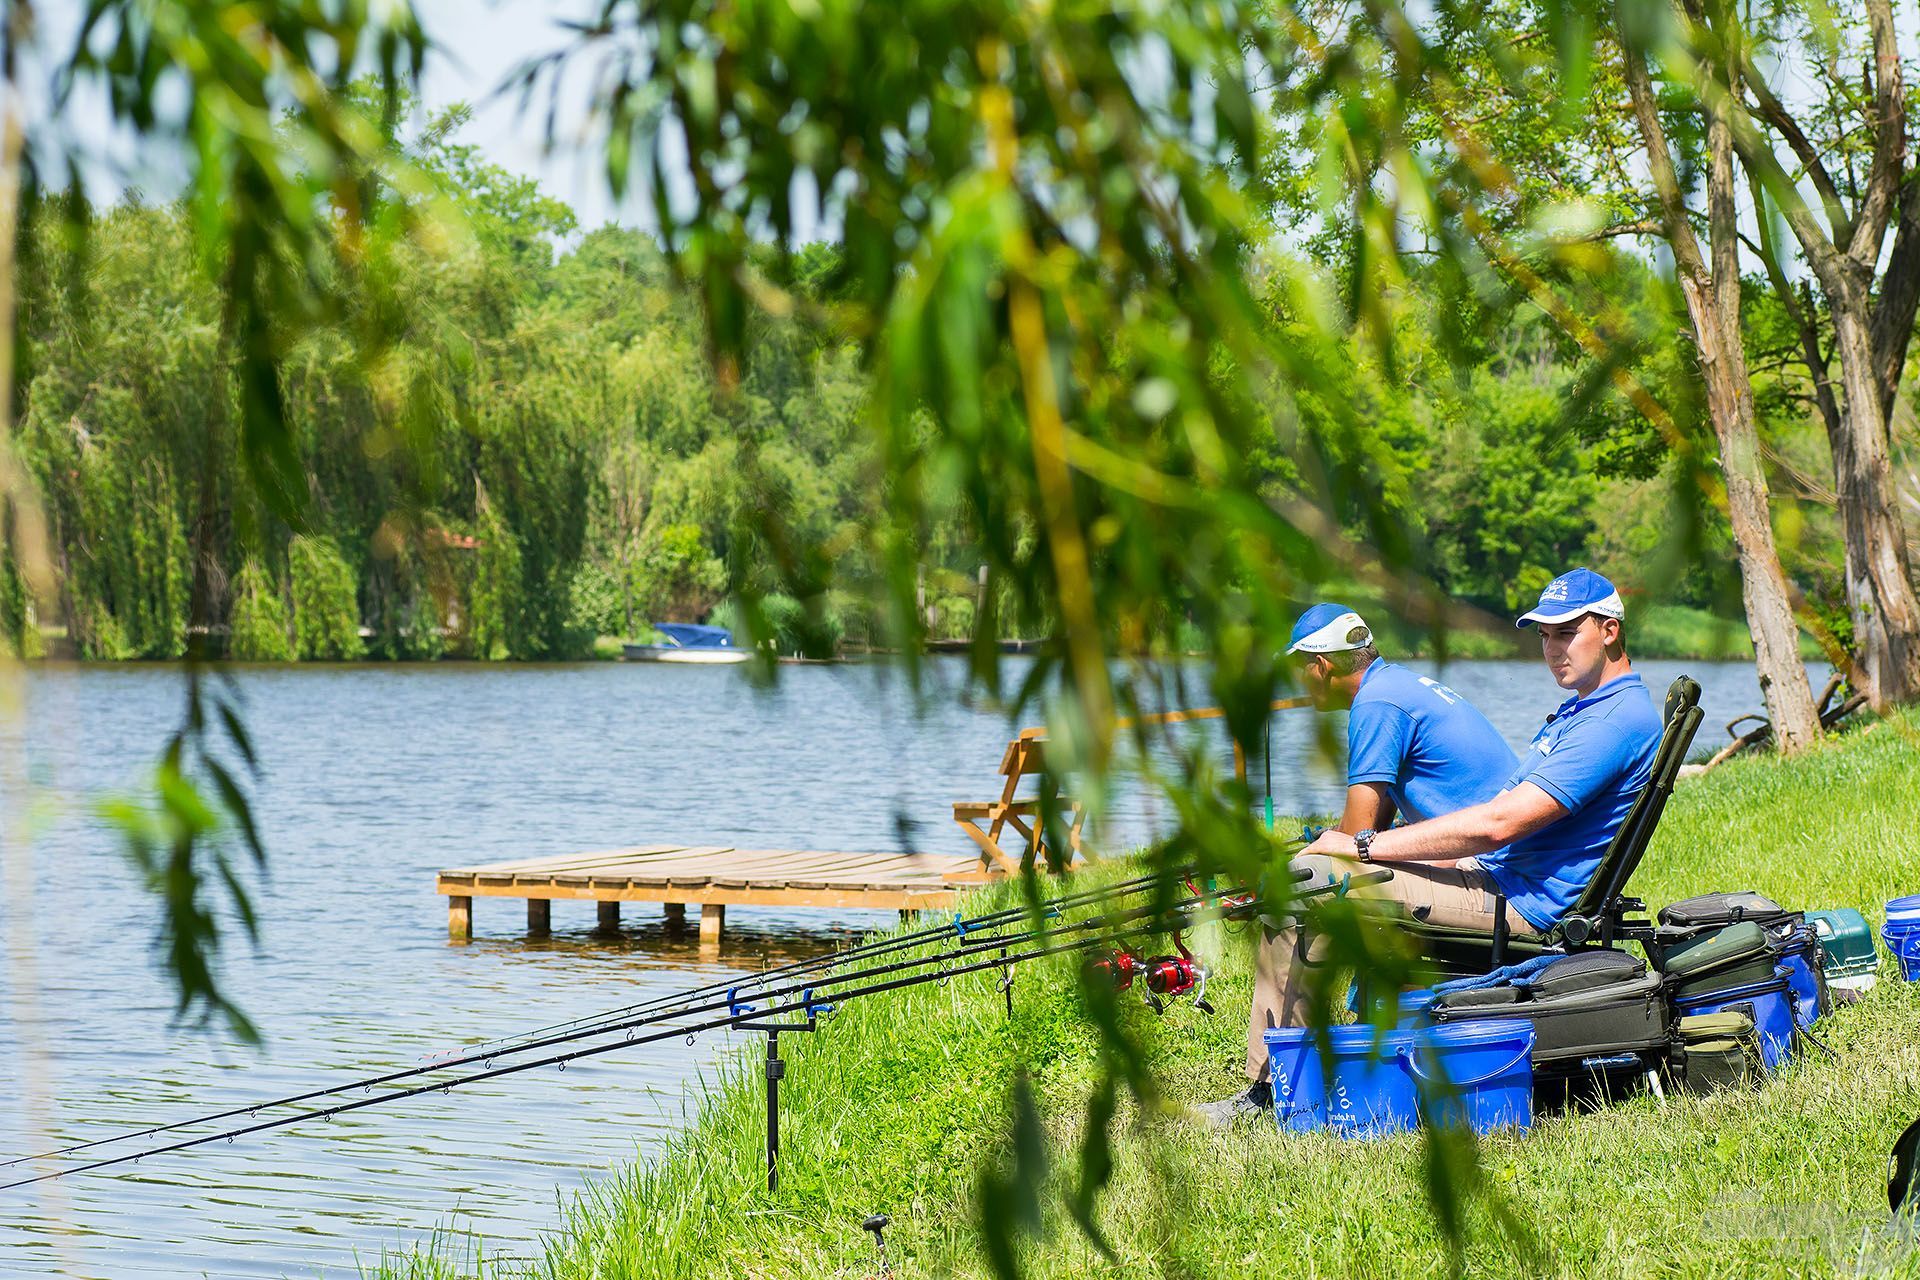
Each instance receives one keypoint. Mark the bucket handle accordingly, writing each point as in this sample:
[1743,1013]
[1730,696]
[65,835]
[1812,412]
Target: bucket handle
[1413,1066]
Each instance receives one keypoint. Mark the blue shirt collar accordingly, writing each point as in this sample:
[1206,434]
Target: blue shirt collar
[1619,684]
[1373,668]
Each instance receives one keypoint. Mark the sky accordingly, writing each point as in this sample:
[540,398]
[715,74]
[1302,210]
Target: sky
[477,46]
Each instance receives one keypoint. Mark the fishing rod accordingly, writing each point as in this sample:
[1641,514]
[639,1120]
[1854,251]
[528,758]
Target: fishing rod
[667,1005]
[955,928]
[808,1006]
[968,937]
[737,1017]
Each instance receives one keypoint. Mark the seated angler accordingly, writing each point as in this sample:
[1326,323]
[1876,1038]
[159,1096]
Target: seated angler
[1538,842]
[1414,747]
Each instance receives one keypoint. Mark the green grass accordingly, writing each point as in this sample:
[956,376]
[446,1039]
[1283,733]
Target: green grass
[901,1101]
[1676,631]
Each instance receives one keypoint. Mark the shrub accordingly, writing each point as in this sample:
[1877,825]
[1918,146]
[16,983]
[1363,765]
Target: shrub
[326,606]
[257,623]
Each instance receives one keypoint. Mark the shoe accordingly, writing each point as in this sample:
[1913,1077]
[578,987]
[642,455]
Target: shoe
[1256,1101]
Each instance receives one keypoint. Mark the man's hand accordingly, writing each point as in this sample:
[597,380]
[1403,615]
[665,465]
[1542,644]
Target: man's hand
[1335,844]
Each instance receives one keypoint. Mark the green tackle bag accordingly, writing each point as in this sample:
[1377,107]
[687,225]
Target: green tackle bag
[1715,1051]
[1733,956]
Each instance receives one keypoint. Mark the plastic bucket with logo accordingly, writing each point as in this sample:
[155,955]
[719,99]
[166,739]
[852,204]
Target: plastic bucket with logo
[1899,933]
[1476,1074]
[1299,1093]
[1906,951]
[1370,1090]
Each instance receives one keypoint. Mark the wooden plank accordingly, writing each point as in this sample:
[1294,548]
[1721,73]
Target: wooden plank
[561,859]
[617,863]
[883,898]
[809,866]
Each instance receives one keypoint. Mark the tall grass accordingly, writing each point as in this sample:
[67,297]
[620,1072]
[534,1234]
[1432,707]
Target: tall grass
[899,1102]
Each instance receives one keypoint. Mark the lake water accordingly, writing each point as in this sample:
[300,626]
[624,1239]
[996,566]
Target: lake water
[376,777]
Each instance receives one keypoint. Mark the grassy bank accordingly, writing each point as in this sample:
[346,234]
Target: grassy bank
[898,1105]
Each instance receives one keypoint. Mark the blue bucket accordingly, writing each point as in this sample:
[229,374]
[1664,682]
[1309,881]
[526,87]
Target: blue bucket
[1370,1091]
[1906,949]
[1299,1093]
[1900,931]
[1413,1008]
[1769,1003]
[1478,1074]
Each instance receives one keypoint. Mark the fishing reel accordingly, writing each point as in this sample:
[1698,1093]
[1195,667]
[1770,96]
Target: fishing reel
[1170,977]
[1119,968]
[1166,978]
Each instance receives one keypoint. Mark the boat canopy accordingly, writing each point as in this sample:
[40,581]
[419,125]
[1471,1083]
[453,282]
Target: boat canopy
[688,635]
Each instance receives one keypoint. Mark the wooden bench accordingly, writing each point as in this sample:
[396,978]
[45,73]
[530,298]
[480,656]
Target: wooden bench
[1025,757]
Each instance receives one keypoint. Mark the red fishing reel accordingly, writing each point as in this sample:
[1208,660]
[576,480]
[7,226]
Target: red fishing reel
[1170,977]
[1120,968]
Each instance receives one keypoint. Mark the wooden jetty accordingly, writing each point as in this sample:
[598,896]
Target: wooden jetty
[715,877]
[712,877]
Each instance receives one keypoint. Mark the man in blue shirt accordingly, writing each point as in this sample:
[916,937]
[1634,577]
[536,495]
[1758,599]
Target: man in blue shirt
[1414,746]
[1537,842]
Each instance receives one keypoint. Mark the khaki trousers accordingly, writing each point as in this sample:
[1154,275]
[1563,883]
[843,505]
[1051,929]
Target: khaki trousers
[1454,897]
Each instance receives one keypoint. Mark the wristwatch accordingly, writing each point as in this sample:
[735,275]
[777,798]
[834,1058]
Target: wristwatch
[1363,845]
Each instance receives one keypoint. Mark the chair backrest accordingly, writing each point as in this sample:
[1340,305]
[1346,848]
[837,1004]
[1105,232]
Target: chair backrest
[1602,894]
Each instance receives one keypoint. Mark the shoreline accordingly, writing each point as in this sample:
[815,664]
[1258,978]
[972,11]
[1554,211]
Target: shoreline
[902,1104]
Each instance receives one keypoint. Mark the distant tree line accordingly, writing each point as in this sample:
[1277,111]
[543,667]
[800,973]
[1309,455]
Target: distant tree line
[539,454]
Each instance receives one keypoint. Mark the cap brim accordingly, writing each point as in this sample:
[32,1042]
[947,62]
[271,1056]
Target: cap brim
[1528,619]
[1610,607]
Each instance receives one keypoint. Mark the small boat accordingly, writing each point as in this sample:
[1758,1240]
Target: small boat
[688,643]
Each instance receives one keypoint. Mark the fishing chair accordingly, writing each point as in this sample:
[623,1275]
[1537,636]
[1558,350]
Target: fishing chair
[1603,914]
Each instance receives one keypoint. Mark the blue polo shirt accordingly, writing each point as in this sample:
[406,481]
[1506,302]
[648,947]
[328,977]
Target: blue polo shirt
[1432,747]
[1593,755]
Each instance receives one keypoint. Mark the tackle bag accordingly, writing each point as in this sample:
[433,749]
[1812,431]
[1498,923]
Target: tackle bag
[1729,939]
[1733,955]
[1714,910]
[1768,1004]
[1590,1004]
[1714,1051]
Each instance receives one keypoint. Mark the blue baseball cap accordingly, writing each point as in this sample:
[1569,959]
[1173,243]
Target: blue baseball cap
[1329,628]
[1572,594]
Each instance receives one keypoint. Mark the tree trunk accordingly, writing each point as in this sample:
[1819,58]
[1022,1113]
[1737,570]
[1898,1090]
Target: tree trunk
[1763,585]
[1713,305]
[1880,595]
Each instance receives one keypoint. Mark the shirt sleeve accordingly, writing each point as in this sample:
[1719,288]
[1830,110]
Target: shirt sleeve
[1377,736]
[1588,759]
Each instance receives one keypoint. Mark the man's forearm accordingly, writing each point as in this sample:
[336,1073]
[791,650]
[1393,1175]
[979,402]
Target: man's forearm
[1475,830]
[1462,834]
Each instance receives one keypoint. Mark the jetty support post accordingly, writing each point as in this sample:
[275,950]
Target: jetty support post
[713,921]
[459,917]
[539,917]
[676,913]
[609,915]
